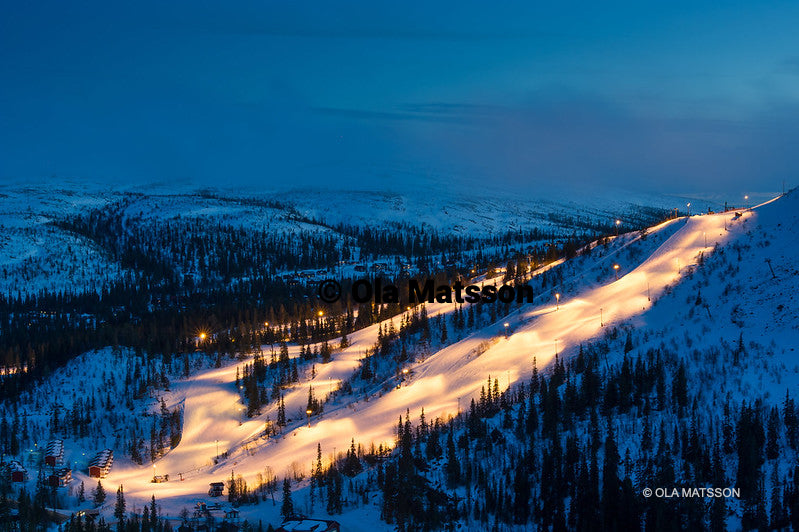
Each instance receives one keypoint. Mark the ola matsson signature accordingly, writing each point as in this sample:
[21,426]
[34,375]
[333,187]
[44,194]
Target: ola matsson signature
[363,291]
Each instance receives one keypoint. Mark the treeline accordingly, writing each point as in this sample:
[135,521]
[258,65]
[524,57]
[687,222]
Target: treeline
[574,450]
[419,244]
[150,519]
[161,310]
[82,412]
[175,248]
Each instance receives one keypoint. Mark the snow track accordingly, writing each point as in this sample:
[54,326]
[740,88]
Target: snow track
[440,384]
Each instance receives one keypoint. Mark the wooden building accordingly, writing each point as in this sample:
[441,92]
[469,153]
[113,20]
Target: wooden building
[60,477]
[54,453]
[17,472]
[302,524]
[217,488]
[101,464]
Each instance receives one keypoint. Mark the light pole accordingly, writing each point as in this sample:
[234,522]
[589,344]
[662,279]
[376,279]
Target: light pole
[506,328]
[688,206]
[601,320]
[746,199]
[616,271]
[308,411]
[557,301]
[556,347]
[618,223]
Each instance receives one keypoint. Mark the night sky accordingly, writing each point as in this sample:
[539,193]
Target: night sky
[664,97]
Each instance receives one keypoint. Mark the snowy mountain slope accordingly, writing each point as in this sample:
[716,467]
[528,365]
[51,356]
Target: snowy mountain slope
[35,255]
[696,393]
[91,404]
[452,373]
[437,383]
[41,255]
[744,291]
[718,259]
[461,212]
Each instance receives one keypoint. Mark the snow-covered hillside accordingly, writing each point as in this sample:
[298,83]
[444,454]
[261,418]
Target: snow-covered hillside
[35,254]
[691,284]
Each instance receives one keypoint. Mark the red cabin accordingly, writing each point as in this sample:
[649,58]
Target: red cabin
[100,465]
[17,472]
[60,478]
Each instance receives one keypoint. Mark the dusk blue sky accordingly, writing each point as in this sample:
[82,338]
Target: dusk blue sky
[667,97]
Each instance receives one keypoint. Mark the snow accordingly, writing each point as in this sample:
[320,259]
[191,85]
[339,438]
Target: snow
[667,259]
[45,256]
[212,408]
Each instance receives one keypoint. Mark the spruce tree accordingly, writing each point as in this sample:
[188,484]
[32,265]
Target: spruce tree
[352,465]
[611,488]
[287,506]
[521,497]
[334,503]
[119,508]
[99,494]
[791,498]
[773,429]
[779,519]
[453,467]
[281,412]
[718,508]
[679,388]
[153,512]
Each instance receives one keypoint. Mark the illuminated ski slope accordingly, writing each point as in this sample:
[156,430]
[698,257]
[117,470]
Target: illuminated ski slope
[213,412]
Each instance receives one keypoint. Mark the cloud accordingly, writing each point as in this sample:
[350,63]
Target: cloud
[372,93]
[576,140]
